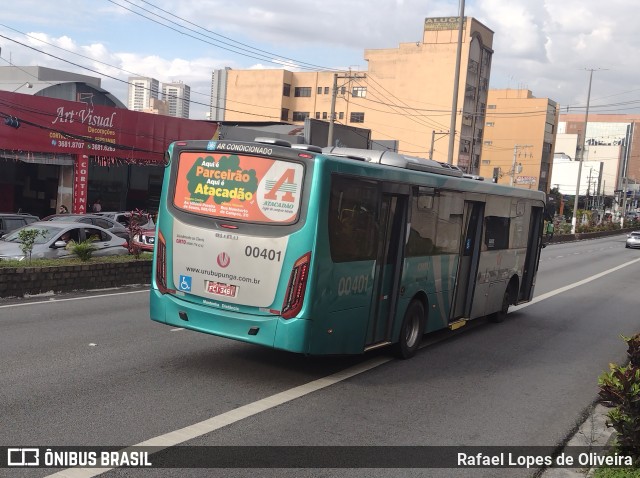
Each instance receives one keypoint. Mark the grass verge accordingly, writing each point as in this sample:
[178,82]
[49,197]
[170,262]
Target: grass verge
[617,473]
[74,261]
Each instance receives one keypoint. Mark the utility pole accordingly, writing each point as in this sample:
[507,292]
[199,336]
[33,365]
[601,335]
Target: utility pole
[515,156]
[624,201]
[332,115]
[456,81]
[334,95]
[586,206]
[574,219]
[433,140]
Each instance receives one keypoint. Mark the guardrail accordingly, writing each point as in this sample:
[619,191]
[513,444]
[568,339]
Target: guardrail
[586,235]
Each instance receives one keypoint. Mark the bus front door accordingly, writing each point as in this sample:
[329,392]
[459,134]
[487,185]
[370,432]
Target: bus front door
[469,258]
[388,267]
[533,254]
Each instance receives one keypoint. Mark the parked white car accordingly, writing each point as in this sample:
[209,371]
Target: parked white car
[52,243]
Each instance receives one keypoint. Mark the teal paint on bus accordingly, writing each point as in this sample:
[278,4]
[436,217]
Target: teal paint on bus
[348,305]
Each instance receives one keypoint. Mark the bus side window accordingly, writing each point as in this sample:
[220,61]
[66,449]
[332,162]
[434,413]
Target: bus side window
[450,212]
[352,220]
[421,240]
[496,232]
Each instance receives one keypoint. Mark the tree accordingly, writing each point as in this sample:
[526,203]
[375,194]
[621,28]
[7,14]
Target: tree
[27,238]
[136,218]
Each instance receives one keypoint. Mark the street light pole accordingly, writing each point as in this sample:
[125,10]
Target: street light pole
[574,219]
[456,81]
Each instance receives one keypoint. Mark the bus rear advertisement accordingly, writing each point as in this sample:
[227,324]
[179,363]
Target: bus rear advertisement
[337,252]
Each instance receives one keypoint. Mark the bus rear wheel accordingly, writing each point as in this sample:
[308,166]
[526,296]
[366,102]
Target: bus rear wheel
[499,316]
[411,331]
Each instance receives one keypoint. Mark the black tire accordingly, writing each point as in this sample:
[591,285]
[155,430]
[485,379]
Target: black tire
[411,331]
[499,316]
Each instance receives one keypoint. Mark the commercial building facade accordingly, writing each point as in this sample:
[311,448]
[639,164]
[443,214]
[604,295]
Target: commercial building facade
[72,142]
[405,95]
[620,131]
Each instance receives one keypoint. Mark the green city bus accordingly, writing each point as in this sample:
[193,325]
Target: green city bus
[335,251]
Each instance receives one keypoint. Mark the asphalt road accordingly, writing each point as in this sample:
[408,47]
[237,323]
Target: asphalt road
[92,369]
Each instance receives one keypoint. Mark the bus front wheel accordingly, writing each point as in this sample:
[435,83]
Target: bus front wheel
[411,331]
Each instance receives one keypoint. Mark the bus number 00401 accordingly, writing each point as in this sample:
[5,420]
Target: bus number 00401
[353,285]
[257,252]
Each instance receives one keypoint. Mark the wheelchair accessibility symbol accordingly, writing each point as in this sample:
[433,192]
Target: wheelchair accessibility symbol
[185,283]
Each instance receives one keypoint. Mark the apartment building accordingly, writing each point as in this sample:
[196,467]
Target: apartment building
[519,138]
[144,95]
[177,95]
[405,94]
[142,91]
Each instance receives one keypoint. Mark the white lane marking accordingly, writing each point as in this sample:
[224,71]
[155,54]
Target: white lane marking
[572,286]
[214,423]
[176,330]
[232,416]
[72,298]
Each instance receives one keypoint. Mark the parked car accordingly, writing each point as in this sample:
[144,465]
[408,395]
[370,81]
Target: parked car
[124,218]
[12,221]
[110,225]
[52,244]
[633,239]
[145,240]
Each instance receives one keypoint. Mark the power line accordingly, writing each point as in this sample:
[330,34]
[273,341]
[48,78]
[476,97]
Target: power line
[173,15]
[208,40]
[115,78]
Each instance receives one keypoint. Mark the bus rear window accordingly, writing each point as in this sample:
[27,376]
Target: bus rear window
[232,186]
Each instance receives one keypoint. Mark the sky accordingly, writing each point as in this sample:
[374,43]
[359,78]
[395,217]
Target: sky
[546,46]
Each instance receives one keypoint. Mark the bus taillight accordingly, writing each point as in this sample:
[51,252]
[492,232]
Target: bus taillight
[294,297]
[161,264]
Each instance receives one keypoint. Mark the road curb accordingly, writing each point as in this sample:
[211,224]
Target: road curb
[592,432]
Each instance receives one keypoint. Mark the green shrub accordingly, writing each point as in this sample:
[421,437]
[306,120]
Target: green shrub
[620,389]
[27,238]
[83,249]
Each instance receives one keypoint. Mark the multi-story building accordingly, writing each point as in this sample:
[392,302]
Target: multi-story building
[406,94]
[519,137]
[177,95]
[599,172]
[157,107]
[142,90]
[619,133]
[218,94]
